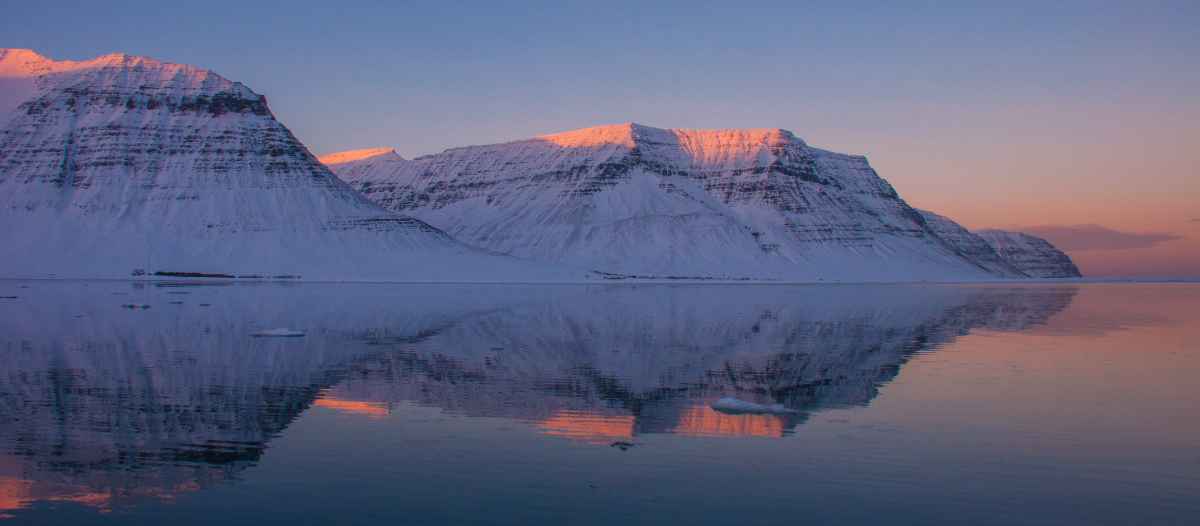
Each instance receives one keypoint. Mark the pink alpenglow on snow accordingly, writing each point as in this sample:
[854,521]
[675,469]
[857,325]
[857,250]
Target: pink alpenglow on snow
[357,155]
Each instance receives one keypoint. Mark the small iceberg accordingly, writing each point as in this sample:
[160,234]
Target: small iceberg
[278,333]
[733,406]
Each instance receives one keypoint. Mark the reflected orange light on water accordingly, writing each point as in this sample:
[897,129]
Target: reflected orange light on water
[14,495]
[587,427]
[17,493]
[698,420]
[702,420]
[369,409]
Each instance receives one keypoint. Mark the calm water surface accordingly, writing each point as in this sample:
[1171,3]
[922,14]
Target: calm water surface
[906,404]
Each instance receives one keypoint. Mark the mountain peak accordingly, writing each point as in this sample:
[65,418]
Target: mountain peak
[27,62]
[24,74]
[125,165]
[15,53]
[18,62]
[359,155]
[609,134]
[632,134]
[115,59]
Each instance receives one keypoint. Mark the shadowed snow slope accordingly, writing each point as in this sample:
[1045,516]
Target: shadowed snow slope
[970,244]
[636,200]
[122,162]
[1032,255]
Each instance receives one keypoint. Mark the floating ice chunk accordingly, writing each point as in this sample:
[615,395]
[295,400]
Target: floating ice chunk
[732,405]
[278,333]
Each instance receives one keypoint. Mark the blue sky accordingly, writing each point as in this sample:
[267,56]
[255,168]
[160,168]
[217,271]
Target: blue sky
[424,75]
[969,109]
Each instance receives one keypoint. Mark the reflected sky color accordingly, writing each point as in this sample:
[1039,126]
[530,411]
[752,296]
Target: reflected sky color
[1009,115]
[593,404]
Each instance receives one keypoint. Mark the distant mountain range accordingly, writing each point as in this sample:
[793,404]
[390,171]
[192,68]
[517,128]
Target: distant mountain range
[733,204]
[125,165]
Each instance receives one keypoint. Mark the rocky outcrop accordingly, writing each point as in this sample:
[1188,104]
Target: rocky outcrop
[640,201]
[1032,255]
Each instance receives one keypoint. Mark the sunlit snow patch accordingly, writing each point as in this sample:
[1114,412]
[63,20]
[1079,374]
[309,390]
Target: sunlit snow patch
[732,405]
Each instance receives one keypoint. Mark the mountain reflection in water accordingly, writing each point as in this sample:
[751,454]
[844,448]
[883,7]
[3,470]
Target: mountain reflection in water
[105,406]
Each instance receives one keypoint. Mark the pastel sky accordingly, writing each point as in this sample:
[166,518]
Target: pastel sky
[1080,120]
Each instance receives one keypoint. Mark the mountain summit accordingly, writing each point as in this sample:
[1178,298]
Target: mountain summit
[641,201]
[125,164]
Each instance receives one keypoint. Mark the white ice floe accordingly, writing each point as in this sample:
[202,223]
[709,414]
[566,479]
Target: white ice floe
[729,404]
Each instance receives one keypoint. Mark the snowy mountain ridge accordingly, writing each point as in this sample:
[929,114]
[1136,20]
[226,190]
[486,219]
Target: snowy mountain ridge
[24,73]
[641,201]
[125,164]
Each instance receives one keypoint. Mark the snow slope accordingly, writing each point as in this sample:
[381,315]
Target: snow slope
[970,245]
[1032,255]
[636,200]
[123,162]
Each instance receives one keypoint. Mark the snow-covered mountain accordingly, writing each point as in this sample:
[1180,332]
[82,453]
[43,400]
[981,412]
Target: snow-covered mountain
[1032,255]
[634,200]
[125,163]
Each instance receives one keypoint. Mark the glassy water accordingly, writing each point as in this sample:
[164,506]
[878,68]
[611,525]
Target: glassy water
[911,404]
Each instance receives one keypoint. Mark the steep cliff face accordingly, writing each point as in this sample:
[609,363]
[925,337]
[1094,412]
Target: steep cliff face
[636,200]
[122,162]
[1032,255]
